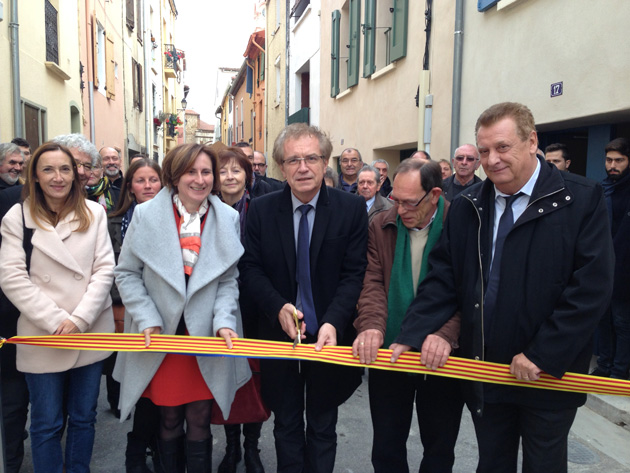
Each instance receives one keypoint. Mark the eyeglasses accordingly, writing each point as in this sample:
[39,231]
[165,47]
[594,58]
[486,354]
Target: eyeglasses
[406,204]
[348,161]
[259,165]
[461,158]
[87,167]
[310,160]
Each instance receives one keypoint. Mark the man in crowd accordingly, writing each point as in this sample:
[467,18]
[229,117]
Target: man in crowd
[466,162]
[25,147]
[112,165]
[305,258]
[350,163]
[421,155]
[260,169]
[558,155]
[11,165]
[84,153]
[614,328]
[400,240]
[383,169]
[369,182]
[259,187]
[527,299]
[447,170]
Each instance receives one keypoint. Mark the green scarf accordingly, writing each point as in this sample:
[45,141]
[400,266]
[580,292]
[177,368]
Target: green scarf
[101,193]
[400,294]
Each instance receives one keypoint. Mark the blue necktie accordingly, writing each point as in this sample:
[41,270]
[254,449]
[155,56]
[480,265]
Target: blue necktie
[304,272]
[492,290]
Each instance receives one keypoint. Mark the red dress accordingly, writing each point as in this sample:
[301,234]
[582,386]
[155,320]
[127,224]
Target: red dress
[178,380]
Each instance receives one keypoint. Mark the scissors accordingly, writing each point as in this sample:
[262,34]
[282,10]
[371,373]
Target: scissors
[298,326]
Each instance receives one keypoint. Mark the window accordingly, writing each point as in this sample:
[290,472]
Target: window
[52,35]
[261,66]
[298,8]
[110,64]
[369,38]
[483,5]
[278,6]
[139,21]
[100,72]
[398,45]
[34,118]
[353,43]
[334,53]
[130,14]
[136,77]
[384,33]
[236,119]
[278,79]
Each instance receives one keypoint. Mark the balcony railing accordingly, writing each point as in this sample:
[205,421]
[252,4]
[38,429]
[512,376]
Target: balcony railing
[173,60]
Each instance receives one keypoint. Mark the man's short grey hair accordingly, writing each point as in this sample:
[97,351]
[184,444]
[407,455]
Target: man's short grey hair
[366,168]
[263,154]
[9,149]
[332,175]
[299,130]
[352,149]
[81,143]
[381,161]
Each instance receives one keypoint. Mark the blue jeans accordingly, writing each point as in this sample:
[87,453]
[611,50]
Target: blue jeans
[47,398]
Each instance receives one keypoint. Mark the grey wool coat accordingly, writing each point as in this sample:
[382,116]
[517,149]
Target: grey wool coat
[151,281]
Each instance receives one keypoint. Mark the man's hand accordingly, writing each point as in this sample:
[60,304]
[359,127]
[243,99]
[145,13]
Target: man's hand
[434,352]
[327,335]
[66,327]
[285,317]
[228,334]
[399,349]
[147,334]
[366,345]
[524,369]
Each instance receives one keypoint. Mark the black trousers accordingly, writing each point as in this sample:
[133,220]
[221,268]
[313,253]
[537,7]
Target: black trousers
[299,448]
[543,432]
[14,413]
[439,405]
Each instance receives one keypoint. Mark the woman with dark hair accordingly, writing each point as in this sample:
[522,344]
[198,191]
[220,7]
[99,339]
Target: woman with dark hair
[177,275]
[141,183]
[236,174]
[60,285]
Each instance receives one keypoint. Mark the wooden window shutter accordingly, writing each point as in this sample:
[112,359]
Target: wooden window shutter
[139,21]
[110,86]
[334,53]
[95,50]
[369,38]
[134,80]
[398,45]
[353,59]
[139,79]
[130,14]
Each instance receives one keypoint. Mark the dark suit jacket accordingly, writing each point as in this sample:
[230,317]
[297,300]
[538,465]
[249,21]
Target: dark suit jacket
[338,260]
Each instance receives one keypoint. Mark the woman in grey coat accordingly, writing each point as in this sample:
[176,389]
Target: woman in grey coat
[177,275]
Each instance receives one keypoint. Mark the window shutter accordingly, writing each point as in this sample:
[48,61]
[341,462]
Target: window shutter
[334,53]
[130,14]
[353,59]
[139,79]
[134,80]
[95,50]
[139,21]
[483,5]
[398,45]
[261,66]
[369,38]
[110,86]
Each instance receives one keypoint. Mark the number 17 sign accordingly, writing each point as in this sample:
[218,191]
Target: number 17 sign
[556,89]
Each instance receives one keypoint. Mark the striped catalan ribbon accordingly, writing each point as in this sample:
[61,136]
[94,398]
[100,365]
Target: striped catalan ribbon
[462,368]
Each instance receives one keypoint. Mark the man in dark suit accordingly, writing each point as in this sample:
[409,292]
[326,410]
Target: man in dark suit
[305,252]
[526,257]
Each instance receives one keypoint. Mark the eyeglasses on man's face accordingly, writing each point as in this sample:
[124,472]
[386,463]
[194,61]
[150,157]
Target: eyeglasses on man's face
[86,166]
[406,204]
[258,165]
[469,159]
[350,161]
[310,160]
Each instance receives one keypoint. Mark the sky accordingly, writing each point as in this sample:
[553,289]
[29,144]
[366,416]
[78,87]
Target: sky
[213,34]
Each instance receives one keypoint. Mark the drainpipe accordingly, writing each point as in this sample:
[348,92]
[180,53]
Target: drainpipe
[148,90]
[286,72]
[89,38]
[457,74]
[15,70]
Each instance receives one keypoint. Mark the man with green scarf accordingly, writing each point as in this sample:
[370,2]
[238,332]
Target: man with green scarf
[400,240]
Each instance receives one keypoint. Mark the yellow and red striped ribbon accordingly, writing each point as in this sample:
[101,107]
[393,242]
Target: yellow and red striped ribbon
[462,368]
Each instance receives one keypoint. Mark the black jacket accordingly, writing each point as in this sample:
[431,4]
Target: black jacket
[556,281]
[620,222]
[338,260]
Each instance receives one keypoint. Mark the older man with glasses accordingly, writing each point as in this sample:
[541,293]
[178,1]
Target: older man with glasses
[350,163]
[466,162]
[84,153]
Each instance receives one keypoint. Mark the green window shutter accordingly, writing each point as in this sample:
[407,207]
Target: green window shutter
[261,66]
[398,45]
[334,53]
[353,58]
[369,38]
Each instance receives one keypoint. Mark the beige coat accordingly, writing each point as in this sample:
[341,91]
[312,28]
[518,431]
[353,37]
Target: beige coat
[70,277]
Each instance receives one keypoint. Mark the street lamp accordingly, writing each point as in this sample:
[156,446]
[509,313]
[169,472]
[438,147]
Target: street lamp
[184,104]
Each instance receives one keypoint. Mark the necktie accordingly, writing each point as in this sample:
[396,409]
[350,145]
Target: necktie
[492,290]
[304,272]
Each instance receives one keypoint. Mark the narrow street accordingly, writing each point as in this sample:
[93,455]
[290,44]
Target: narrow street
[595,444]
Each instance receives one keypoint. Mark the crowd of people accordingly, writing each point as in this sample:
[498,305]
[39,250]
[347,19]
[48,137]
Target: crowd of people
[527,268]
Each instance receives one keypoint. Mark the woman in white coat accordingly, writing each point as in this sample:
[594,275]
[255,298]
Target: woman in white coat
[65,290]
[176,274]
